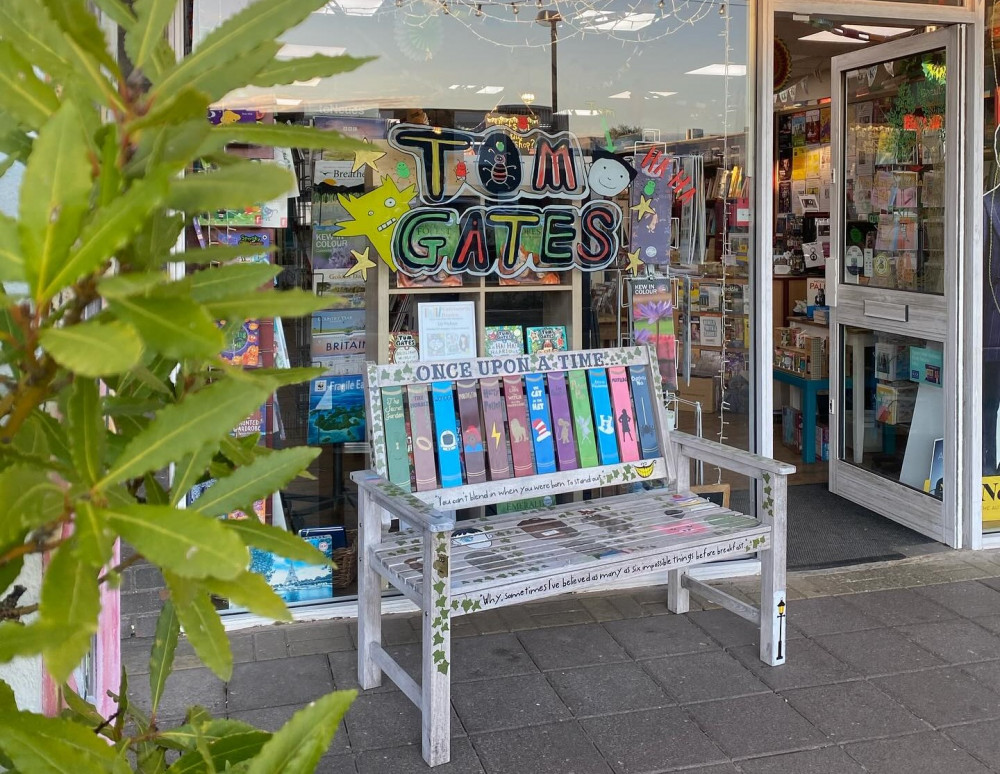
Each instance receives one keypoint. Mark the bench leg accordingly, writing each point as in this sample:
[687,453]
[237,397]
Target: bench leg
[773,623]
[678,597]
[435,684]
[369,593]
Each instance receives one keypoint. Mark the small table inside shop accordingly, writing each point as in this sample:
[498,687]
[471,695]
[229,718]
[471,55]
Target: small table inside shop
[810,389]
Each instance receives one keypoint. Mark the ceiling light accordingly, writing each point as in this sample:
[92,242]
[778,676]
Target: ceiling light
[490,90]
[719,69]
[885,32]
[663,93]
[621,95]
[832,37]
[310,82]
[283,102]
[297,51]
[359,7]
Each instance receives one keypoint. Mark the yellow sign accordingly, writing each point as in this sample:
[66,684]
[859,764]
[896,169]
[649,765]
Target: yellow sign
[991,502]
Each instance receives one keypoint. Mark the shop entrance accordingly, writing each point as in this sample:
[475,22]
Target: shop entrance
[863,296]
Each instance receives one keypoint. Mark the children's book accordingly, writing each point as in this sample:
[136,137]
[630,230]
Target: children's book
[504,340]
[472,431]
[546,338]
[423,437]
[628,434]
[583,419]
[644,417]
[396,438]
[244,345]
[446,434]
[403,347]
[330,344]
[495,434]
[604,418]
[541,423]
[336,410]
[517,418]
[298,581]
[562,421]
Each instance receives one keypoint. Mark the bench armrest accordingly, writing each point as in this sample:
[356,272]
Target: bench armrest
[736,460]
[401,503]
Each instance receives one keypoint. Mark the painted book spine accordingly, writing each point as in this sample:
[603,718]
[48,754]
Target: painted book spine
[472,431]
[541,423]
[604,419]
[395,436]
[583,419]
[520,431]
[495,434]
[423,438]
[621,400]
[645,418]
[562,421]
[446,434]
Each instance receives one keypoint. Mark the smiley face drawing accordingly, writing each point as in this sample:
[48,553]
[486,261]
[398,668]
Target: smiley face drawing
[609,174]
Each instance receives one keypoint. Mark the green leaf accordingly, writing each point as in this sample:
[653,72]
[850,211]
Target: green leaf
[223,752]
[30,500]
[184,542]
[284,136]
[82,711]
[222,254]
[133,284]
[209,729]
[298,746]
[283,303]
[172,147]
[184,427]
[152,17]
[187,105]
[78,22]
[232,187]
[224,281]
[93,536]
[109,230]
[188,470]
[54,196]
[70,597]
[118,12]
[275,540]
[18,640]
[287,71]
[261,478]
[254,593]
[94,348]
[39,744]
[174,327]
[201,624]
[227,44]
[87,430]
[22,94]
[161,656]
[11,260]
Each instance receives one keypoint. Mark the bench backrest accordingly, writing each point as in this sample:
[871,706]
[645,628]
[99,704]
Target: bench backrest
[493,429]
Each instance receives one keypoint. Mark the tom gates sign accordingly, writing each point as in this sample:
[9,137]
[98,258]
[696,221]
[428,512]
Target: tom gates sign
[507,233]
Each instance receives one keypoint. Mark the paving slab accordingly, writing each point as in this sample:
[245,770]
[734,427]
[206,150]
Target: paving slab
[828,615]
[549,749]
[828,760]
[967,598]
[609,688]
[957,642]
[730,630]
[898,607]
[926,753]
[986,673]
[980,740]
[704,676]
[942,696]
[184,688]
[300,679]
[408,760]
[564,647]
[755,725]
[377,720]
[807,664]
[651,740]
[878,651]
[273,718]
[853,711]
[489,656]
[662,635]
[336,764]
[509,702]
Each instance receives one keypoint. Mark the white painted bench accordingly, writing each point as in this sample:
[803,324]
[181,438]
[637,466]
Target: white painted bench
[449,568]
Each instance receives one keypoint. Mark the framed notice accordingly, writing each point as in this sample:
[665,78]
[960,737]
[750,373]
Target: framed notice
[447,331]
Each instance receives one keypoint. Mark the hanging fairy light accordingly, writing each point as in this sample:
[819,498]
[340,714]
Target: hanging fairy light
[514,5]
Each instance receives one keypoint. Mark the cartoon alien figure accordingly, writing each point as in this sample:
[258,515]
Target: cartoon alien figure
[375,216]
[609,174]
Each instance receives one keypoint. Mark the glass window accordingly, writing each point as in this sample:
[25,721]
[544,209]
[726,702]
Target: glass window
[991,273]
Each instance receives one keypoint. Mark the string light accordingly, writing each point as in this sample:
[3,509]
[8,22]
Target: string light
[479,10]
[444,7]
[514,5]
[722,9]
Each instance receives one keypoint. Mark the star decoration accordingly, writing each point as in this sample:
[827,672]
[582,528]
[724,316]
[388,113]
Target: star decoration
[633,263]
[642,208]
[362,265]
[367,157]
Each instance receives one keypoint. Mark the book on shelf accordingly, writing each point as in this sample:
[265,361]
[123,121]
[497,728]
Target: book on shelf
[471,431]
[624,413]
[604,418]
[502,340]
[541,423]
[583,419]
[546,338]
[644,419]
[425,470]
[396,438]
[711,330]
[243,347]
[562,421]
[520,430]
[446,434]
[495,434]
[336,410]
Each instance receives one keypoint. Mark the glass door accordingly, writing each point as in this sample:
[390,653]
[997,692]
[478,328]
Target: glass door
[896,132]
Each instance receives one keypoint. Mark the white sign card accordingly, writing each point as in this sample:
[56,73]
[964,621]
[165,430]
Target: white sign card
[447,331]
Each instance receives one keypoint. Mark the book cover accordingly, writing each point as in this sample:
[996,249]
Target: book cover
[541,423]
[546,338]
[259,506]
[243,348]
[330,344]
[562,421]
[344,321]
[653,324]
[644,417]
[517,419]
[504,340]
[934,484]
[472,431]
[628,440]
[424,467]
[294,580]
[496,435]
[403,347]
[262,237]
[604,418]
[340,365]
[447,330]
[336,410]
[711,330]
[583,419]
[446,434]
[394,418]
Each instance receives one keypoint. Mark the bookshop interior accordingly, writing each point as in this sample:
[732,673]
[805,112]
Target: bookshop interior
[571,175]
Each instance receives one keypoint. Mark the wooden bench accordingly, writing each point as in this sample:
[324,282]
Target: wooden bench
[608,430]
